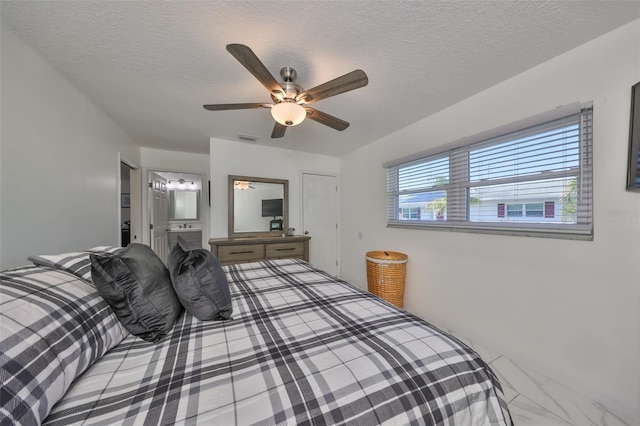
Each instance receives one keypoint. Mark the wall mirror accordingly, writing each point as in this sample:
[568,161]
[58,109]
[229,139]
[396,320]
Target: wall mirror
[184,204]
[258,206]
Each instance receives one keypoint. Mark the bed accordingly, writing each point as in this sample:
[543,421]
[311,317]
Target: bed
[302,348]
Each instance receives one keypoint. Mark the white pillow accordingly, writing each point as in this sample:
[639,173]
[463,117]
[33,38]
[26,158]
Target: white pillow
[53,326]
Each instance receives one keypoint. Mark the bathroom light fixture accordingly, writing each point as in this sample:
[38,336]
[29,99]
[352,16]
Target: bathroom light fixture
[182,182]
[288,113]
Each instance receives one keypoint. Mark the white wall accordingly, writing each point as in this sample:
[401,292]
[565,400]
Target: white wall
[238,158]
[567,308]
[59,162]
[174,161]
[160,159]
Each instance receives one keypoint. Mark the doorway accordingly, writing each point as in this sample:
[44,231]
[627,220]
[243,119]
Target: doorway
[175,204]
[130,204]
[320,220]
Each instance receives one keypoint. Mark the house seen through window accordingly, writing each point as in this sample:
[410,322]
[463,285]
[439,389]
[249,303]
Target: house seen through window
[533,181]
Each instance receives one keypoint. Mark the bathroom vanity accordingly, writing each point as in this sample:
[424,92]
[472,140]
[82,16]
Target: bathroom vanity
[187,234]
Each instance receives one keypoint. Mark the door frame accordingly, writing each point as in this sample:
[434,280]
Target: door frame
[135,199]
[204,200]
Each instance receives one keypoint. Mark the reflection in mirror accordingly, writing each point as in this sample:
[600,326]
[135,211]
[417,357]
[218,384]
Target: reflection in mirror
[184,205]
[254,207]
[257,206]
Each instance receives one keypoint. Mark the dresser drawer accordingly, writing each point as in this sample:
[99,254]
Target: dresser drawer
[251,249]
[240,253]
[292,249]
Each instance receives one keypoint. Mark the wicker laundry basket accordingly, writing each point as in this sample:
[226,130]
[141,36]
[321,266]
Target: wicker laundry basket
[386,273]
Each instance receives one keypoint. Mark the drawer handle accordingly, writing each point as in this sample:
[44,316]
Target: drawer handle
[242,252]
[286,249]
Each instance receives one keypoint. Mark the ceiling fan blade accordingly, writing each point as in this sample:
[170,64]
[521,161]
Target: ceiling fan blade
[250,61]
[278,130]
[353,80]
[224,107]
[326,119]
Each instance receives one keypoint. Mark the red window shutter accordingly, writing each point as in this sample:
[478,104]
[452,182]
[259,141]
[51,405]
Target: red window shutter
[549,209]
[501,210]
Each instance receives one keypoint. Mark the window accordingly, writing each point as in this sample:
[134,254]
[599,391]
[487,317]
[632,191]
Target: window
[534,179]
[410,213]
[514,210]
[534,210]
[546,209]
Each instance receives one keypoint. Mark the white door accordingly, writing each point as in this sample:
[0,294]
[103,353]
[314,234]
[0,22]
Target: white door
[320,220]
[159,216]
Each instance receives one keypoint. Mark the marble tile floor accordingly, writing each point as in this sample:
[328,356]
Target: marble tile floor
[536,400]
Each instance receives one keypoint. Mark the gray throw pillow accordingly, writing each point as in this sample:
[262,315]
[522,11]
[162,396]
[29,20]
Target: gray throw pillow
[137,286]
[199,281]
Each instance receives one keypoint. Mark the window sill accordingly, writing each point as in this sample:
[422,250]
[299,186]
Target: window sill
[582,234]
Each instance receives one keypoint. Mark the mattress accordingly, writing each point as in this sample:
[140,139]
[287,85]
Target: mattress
[302,348]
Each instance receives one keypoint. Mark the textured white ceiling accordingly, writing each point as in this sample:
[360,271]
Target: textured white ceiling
[152,65]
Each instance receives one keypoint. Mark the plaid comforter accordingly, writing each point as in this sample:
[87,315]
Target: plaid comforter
[302,348]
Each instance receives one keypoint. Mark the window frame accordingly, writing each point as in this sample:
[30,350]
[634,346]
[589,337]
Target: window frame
[515,210]
[528,210]
[458,187]
[410,211]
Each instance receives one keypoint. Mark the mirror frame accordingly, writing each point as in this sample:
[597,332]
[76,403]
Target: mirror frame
[231,205]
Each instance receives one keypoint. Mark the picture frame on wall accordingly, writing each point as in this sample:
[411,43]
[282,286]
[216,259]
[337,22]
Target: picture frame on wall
[633,169]
[125,201]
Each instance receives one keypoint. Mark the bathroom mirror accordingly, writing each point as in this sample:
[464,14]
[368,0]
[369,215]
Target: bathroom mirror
[258,206]
[184,204]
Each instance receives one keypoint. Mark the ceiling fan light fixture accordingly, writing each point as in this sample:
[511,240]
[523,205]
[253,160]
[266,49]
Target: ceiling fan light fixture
[288,113]
[241,185]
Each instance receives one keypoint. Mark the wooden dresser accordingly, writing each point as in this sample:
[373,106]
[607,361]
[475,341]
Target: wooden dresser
[242,250]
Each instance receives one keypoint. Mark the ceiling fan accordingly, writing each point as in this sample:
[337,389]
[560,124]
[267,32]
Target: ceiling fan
[289,107]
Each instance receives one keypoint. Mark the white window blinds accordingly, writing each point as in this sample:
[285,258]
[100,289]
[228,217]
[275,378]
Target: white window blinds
[532,181]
